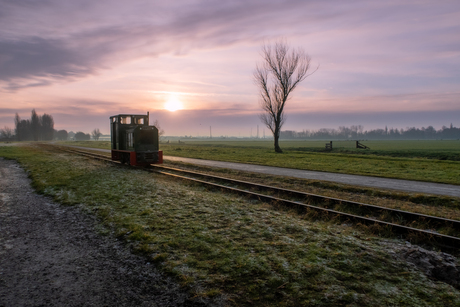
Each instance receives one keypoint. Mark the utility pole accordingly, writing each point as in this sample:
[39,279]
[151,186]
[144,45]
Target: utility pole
[210,133]
[257,131]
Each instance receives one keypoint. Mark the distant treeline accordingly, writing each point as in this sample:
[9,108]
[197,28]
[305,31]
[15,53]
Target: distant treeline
[358,133]
[41,128]
[63,135]
[37,128]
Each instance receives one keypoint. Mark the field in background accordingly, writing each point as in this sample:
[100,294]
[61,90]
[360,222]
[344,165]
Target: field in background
[434,161]
[436,146]
[374,145]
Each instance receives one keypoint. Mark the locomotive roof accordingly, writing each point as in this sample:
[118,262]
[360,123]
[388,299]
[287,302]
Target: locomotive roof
[128,115]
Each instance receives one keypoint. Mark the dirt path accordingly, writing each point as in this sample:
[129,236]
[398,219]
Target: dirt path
[52,255]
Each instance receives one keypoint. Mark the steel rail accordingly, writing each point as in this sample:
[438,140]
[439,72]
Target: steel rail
[87,153]
[432,237]
[437,238]
[455,224]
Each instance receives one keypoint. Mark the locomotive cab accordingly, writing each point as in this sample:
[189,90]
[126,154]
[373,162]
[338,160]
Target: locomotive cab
[133,141]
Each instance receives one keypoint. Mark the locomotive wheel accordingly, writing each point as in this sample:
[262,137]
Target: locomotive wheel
[125,159]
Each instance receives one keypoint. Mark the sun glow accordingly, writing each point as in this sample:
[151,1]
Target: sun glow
[173,104]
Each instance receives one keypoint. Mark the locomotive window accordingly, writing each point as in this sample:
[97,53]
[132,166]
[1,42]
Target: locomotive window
[114,120]
[139,121]
[126,120]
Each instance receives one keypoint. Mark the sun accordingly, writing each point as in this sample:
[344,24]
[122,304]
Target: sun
[173,104]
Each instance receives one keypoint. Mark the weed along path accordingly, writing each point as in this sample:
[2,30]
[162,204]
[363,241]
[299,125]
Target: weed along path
[52,255]
[367,181]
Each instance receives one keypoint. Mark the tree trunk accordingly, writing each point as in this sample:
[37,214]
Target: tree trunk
[277,145]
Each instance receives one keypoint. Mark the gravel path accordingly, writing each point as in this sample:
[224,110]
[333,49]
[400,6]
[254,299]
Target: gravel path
[51,255]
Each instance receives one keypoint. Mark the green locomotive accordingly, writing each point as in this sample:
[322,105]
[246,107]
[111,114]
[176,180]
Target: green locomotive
[134,142]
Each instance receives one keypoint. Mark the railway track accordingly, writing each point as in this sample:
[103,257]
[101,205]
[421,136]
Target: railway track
[410,225]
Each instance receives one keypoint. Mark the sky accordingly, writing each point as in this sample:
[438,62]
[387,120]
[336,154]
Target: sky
[378,63]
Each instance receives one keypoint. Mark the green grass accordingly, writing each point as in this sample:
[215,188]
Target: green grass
[92,144]
[421,148]
[433,161]
[383,145]
[217,244]
[372,165]
[442,206]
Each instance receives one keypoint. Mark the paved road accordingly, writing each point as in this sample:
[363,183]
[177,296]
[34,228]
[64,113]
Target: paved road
[366,181]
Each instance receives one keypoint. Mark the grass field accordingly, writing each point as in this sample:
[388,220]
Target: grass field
[421,147]
[397,145]
[433,161]
[224,246]
[439,150]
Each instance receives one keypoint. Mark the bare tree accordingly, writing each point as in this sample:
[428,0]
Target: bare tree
[278,75]
[6,133]
[161,132]
[96,134]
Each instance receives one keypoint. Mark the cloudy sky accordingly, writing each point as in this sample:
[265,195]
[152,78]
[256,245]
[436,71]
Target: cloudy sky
[394,63]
